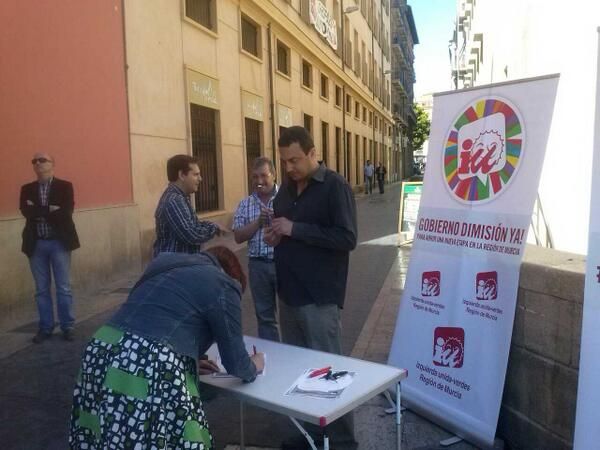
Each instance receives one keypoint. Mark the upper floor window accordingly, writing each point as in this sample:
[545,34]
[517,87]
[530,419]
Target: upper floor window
[324,86]
[250,36]
[283,58]
[307,79]
[202,12]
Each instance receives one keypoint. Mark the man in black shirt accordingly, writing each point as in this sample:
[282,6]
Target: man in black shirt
[313,232]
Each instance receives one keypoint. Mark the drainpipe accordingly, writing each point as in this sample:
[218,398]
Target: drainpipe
[344,143]
[374,148]
[271,94]
[382,125]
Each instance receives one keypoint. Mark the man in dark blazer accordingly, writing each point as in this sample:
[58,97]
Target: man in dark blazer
[49,237]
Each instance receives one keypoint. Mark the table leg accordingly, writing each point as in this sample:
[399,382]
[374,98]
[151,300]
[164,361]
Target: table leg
[398,417]
[325,439]
[242,444]
[310,440]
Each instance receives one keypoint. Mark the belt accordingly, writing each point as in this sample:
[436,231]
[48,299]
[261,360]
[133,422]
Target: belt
[260,258]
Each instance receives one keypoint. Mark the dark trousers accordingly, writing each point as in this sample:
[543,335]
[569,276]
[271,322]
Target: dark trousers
[312,326]
[380,182]
[318,327]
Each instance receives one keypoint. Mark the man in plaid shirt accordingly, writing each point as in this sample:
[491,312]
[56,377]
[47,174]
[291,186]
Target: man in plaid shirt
[177,226]
[253,213]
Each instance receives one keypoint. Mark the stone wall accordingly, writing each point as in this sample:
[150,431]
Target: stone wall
[540,393]
[110,245]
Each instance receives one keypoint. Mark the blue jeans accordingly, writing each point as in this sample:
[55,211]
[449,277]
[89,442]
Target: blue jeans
[263,284]
[52,254]
[368,185]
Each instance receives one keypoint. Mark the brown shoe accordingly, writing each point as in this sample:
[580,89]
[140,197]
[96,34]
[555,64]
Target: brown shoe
[41,336]
[68,335]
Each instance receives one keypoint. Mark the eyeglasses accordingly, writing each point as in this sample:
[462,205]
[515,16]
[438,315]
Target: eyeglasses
[40,160]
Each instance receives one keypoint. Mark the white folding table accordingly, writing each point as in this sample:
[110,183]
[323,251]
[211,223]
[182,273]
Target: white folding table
[285,363]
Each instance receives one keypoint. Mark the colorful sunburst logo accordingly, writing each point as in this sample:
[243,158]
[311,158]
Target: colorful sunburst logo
[483,149]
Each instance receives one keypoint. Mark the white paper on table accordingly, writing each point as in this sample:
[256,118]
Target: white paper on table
[319,387]
[321,384]
[222,373]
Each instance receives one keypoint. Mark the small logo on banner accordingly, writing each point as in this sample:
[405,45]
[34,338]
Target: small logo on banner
[431,283]
[448,347]
[486,286]
[483,149]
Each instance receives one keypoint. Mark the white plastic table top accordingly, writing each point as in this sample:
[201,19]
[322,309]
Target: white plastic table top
[285,363]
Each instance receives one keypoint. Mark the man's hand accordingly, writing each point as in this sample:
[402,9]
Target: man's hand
[221,230]
[259,361]
[271,237]
[265,217]
[282,226]
[29,203]
[206,367]
[53,208]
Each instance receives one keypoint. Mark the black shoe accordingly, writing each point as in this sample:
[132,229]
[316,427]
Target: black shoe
[41,336]
[68,335]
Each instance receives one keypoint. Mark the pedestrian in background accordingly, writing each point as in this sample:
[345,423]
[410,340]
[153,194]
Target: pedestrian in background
[252,215]
[380,173]
[138,385]
[313,232]
[178,229]
[49,237]
[369,171]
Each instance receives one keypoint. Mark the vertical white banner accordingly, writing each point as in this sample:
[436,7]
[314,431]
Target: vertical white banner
[455,320]
[587,423]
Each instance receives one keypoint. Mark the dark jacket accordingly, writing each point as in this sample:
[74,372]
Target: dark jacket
[187,302]
[380,172]
[312,263]
[61,220]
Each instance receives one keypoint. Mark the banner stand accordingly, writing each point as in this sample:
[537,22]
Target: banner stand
[455,319]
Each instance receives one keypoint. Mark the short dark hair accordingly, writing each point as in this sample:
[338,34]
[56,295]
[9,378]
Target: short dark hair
[296,134]
[178,163]
[263,161]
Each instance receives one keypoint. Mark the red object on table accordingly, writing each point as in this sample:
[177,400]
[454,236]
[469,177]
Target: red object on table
[317,372]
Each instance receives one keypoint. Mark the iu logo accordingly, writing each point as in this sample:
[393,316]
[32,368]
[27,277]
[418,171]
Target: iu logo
[486,286]
[431,283]
[448,347]
[483,149]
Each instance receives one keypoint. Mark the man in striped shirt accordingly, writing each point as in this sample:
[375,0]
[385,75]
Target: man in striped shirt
[254,213]
[178,229]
